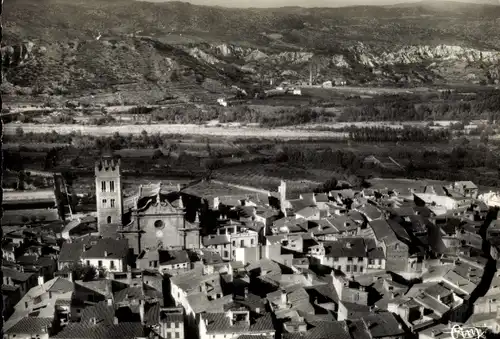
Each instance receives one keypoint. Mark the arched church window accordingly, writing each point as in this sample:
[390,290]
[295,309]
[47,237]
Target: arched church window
[159,224]
[109,219]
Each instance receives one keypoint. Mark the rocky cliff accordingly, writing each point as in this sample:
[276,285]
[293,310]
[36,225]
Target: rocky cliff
[188,44]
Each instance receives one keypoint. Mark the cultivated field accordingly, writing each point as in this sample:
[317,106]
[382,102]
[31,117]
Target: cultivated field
[183,129]
[269,176]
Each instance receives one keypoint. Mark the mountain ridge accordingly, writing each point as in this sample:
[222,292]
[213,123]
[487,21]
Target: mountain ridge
[160,42]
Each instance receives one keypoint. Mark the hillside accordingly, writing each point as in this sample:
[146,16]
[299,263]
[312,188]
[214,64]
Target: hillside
[51,46]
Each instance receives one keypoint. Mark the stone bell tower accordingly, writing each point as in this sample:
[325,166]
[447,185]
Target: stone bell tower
[108,196]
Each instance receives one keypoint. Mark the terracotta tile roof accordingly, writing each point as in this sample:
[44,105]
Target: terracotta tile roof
[15,274]
[61,285]
[18,217]
[71,252]
[45,261]
[383,231]
[107,248]
[370,211]
[215,240]
[103,286]
[308,212]
[9,288]
[30,325]
[102,312]
[345,247]
[322,330]
[152,314]
[220,323]
[27,259]
[383,325]
[129,293]
[89,331]
[358,329]
[166,316]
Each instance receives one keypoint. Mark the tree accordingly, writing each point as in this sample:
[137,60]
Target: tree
[19,132]
[328,186]
[484,138]
[83,272]
[157,154]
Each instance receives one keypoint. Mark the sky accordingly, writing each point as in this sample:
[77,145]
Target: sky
[305,3]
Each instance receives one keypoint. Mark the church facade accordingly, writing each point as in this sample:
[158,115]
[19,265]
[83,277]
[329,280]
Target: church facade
[154,218]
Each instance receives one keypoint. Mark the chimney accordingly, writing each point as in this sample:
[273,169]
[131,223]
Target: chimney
[246,292]
[105,254]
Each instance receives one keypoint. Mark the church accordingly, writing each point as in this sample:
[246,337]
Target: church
[155,217]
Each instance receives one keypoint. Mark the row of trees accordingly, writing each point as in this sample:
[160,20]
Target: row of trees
[484,105]
[388,134]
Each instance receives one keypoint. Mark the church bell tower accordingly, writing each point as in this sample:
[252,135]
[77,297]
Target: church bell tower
[108,196]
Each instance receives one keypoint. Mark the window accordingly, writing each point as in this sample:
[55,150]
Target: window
[361,269]
[177,325]
[360,259]
[177,335]
[109,219]
[159,224]
[234,253]
[335,259]
[354,268]
[371,262]
[111,186]
[251,241]
[242,243]
[112,201]
[99,263]
[348,268]
[234,242]
[169,335]
[155,263]
[88,262]
[226,254]
[349,259]
[112,264]
[103,186]
[104,202]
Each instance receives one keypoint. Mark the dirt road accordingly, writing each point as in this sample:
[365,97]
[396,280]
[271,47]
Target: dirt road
[187,129]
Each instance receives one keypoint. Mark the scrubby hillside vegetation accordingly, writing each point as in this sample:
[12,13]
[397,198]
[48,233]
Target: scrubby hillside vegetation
[63,47]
